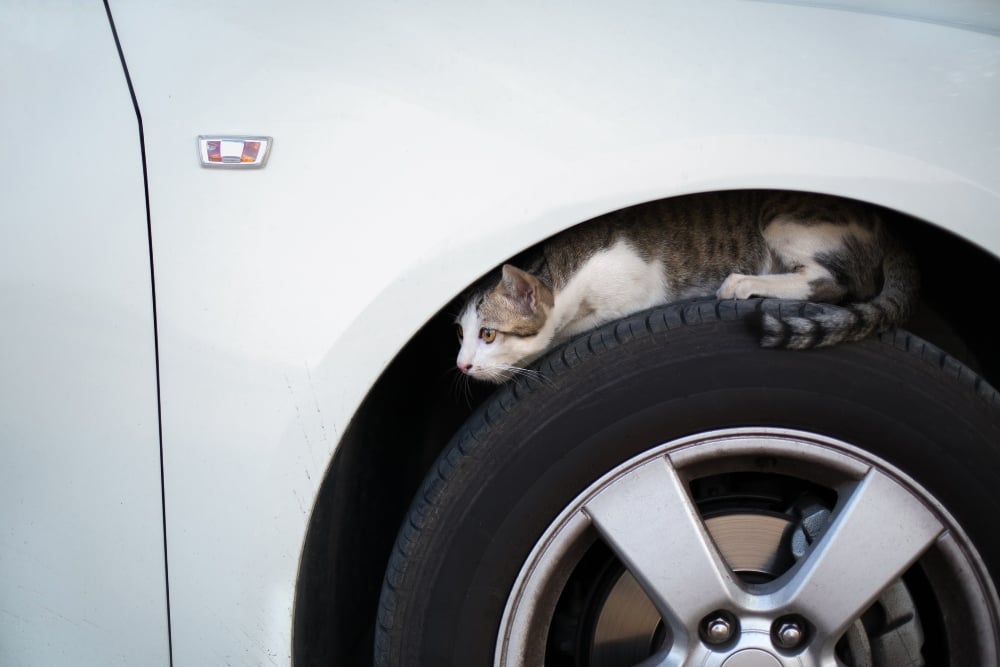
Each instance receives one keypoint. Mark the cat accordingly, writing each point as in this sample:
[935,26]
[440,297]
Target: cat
[731,245]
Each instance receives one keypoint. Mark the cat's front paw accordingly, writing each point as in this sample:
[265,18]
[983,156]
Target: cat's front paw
[738,286]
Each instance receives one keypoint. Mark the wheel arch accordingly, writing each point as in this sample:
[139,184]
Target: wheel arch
[398,431]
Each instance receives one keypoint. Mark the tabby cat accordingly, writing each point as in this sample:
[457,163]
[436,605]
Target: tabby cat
[732,245]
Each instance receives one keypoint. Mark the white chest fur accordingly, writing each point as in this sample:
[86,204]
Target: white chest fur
[609,285]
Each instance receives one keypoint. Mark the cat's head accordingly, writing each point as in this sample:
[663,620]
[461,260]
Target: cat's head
[503,329]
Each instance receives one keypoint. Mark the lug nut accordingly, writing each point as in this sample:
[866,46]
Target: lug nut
[789,633]
[718,628]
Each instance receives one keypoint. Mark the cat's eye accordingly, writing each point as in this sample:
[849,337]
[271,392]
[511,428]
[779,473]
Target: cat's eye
[459,333]
[488,335]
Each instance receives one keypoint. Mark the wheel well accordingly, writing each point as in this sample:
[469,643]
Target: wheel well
[420,400]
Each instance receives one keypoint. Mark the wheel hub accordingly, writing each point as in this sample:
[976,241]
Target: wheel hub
[757,546]
[751,657]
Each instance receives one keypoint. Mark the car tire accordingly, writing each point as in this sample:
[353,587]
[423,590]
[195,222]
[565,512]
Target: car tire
[534,534]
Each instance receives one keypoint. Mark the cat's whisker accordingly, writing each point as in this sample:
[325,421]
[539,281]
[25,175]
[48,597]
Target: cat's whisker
[467,389]
[527,372]
[460,385]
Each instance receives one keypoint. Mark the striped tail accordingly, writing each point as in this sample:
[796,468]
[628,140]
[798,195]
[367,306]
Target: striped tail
[824,324]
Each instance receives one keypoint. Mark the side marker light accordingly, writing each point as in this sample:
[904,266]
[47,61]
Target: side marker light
[233,151]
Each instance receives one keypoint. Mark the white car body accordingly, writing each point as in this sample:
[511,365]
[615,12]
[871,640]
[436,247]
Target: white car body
[414,147]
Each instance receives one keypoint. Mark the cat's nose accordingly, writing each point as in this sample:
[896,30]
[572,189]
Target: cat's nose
[464,366]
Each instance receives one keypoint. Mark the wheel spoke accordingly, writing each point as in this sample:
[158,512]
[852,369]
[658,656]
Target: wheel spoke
[881,530]
[650,522]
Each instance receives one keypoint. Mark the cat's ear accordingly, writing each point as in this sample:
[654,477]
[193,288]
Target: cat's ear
[525,290]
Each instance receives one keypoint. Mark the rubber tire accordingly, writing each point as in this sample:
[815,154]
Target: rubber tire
[640,382]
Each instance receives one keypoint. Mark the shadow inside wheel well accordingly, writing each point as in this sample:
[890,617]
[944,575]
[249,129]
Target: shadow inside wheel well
[406,419]
[420,400]
[955,306]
